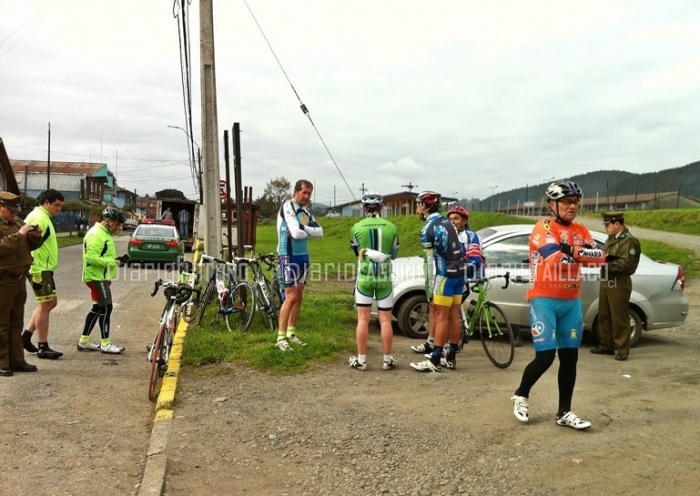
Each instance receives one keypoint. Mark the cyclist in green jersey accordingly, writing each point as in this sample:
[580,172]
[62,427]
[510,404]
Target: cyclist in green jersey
[375,242]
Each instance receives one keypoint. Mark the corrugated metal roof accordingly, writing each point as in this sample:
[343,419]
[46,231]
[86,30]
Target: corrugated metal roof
[40,166]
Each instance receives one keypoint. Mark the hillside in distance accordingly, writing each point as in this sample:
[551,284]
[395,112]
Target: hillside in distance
[612,183]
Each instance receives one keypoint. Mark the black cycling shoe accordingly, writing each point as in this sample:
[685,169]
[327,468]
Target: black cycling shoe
[48,353]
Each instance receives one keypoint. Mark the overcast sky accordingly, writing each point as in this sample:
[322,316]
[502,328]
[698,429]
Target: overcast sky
[463,97]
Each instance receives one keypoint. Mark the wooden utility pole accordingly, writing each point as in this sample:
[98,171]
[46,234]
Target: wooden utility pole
[48,161]
[210,131]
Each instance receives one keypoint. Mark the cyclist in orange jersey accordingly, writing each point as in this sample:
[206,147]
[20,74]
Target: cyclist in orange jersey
[558,248]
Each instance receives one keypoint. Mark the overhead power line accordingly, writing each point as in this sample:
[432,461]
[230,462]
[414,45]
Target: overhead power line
[303,107]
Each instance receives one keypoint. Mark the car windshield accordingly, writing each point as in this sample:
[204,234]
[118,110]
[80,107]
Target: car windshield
[156,231]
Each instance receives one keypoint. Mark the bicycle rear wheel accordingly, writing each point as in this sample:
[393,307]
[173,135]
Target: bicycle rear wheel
[206,299]
[240,306]
[496,335]
[155,374]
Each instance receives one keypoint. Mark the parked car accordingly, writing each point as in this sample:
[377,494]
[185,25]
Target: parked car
[156,241]
[130,225]
[657,300]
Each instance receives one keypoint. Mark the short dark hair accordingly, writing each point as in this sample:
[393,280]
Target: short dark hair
[301,183]
[50,195]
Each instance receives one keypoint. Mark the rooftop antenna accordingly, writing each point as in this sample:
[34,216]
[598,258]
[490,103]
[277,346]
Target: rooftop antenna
[409,186]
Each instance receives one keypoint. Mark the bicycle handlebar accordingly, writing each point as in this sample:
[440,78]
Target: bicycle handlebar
[483,280]
[173,284]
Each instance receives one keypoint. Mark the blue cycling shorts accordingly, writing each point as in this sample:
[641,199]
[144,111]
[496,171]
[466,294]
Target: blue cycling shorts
[294,268]
[556,323]
[448,291]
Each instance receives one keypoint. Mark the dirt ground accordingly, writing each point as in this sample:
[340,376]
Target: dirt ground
[340,431]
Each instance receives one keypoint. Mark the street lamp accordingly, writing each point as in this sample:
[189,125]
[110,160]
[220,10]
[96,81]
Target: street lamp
[197,162]
[492,188]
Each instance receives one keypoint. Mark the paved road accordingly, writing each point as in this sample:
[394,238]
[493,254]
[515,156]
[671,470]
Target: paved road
[82,424]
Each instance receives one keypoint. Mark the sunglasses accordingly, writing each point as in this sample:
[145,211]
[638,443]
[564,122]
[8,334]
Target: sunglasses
[570,201]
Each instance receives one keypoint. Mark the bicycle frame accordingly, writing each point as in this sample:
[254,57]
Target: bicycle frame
[159,350]
[235,294]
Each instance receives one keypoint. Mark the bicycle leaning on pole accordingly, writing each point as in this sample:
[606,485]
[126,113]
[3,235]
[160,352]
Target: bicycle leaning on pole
[488,320]
[175,294]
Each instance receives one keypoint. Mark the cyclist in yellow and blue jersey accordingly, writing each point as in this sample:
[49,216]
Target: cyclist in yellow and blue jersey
[445,275]
[295,224]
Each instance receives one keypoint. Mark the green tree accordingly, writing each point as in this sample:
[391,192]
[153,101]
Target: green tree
[277,191]
[130,207]
[170,193]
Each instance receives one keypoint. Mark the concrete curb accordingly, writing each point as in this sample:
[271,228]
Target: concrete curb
[154,473]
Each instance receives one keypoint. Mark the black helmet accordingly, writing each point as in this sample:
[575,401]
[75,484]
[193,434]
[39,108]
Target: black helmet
[114,214]
[558,190]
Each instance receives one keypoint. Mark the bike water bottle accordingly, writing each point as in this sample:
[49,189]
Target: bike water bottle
[223,292]
[470,309]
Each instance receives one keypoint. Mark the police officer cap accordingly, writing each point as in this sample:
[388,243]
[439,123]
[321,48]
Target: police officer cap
[10,201]
[613,217]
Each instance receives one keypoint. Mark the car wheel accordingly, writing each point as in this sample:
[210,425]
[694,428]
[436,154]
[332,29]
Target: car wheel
[412,317]
[636,327]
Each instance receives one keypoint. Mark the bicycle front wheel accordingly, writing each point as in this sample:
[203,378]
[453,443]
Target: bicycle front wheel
[496,335]
[206,299]
[240,307]
[155,374]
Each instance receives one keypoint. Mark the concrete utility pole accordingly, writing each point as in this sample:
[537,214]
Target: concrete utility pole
[210,131]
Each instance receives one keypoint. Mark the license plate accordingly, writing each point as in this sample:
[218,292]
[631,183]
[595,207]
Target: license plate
[152,247]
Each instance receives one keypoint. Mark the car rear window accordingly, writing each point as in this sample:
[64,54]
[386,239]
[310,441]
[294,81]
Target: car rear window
[156,231]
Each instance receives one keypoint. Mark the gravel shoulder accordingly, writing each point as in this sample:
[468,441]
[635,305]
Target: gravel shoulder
[338,431]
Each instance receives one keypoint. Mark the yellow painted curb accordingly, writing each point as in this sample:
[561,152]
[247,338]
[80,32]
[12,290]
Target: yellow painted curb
[153,479]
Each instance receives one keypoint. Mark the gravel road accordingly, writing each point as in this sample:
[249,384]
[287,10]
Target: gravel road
[339,431]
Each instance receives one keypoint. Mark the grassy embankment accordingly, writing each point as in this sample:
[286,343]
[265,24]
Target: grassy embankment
[327,320]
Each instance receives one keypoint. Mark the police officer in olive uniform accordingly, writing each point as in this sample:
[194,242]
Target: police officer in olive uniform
[623,252]
[17,240]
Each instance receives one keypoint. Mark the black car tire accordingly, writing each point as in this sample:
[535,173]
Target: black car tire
[412,317]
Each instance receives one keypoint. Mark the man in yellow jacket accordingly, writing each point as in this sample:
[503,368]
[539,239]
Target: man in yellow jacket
[41,272]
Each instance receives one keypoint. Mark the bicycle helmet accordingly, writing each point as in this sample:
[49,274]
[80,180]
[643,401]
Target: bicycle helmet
[428,198]
[558,190]
[458,209]
[114,214]
[372,198]
[183,294]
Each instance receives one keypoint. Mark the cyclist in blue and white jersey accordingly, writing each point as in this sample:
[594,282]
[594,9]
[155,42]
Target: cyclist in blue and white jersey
[295,224]
[445,273]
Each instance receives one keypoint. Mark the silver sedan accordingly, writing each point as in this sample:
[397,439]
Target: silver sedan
[657,300]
